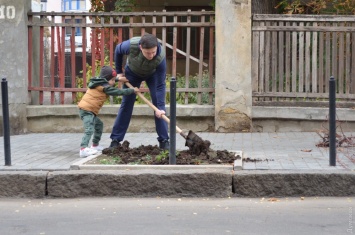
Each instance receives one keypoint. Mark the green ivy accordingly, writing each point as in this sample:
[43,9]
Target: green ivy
[125,5]
[317,7]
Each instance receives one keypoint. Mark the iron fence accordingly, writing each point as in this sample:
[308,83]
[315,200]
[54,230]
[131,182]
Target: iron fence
[67,49]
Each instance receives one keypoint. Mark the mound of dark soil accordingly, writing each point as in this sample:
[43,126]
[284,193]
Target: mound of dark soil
[153,155]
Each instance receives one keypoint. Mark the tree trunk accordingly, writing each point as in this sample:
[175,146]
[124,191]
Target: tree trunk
[264,6]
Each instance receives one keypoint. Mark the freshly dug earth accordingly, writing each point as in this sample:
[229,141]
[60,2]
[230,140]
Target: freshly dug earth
[153,155]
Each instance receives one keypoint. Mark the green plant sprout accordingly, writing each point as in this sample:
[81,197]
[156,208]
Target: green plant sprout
[113,161]
[162,156]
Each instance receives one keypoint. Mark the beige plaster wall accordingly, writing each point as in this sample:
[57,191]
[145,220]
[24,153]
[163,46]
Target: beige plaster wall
[65,118]
[14,64]
[233,66]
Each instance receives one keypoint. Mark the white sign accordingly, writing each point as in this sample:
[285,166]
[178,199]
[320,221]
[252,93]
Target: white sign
[7,12]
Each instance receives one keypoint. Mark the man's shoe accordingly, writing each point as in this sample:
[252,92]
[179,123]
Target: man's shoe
[87,152]
[114,144]
[164,144]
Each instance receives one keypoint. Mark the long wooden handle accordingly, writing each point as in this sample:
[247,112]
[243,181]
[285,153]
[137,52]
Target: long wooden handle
[155,109]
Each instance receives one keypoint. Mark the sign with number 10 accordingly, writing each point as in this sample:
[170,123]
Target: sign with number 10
[7,12]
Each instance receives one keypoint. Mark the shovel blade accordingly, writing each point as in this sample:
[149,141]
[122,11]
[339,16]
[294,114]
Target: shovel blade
[196,144]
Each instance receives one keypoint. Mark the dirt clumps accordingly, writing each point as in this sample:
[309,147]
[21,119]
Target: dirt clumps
[153,155]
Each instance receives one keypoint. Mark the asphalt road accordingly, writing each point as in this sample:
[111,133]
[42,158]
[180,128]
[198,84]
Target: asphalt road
[177,216]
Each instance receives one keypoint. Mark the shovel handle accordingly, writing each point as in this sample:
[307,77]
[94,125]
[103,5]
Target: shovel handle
[155,109]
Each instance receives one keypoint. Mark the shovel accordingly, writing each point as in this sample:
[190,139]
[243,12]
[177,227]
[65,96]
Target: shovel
[195,143]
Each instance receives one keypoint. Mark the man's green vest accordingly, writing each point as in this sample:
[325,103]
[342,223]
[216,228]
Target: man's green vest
[138,63]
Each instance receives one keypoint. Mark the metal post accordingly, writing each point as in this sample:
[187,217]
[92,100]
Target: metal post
[172,150]
[5,121]
[332,122]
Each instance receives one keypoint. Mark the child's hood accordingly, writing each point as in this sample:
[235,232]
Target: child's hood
[97,81]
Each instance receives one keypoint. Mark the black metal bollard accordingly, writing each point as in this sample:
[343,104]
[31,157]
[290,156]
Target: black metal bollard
[172,150]
[332,122]
[5,121]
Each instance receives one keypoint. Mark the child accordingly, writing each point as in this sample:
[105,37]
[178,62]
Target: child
[99,89]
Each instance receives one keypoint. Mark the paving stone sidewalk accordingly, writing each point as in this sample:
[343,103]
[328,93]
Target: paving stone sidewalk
[268,151]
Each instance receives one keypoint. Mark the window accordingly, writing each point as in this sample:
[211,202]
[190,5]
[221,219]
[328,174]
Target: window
[43,5]
[77,35]
[74,5]
[78,31]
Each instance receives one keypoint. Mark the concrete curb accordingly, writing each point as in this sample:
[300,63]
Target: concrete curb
[154,182]
[30,184]
[155,167]
[293,183]
[141,183]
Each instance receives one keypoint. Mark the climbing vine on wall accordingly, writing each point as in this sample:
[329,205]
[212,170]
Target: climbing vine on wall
[339,7]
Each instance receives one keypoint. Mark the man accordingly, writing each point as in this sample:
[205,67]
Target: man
[145,62]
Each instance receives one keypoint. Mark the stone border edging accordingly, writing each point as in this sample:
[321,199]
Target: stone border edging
[205,182]
[23,184]
[141,183]
[294,183]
